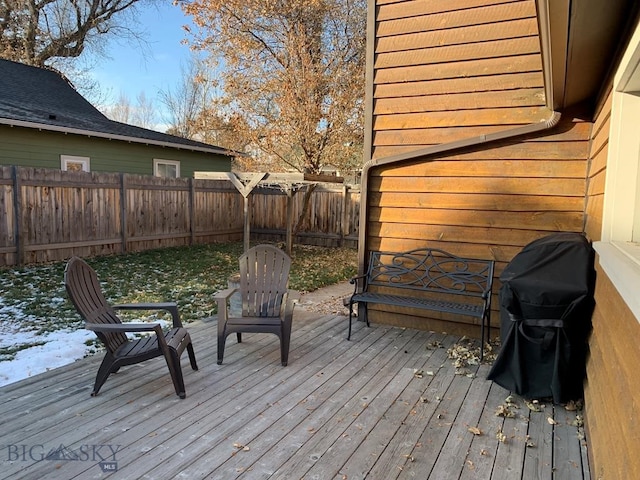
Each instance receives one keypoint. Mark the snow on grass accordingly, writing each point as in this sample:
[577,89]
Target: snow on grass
[42,352]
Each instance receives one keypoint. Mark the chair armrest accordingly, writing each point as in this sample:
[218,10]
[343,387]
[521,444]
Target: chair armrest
[293,296]
[170,307]
[124,327]
[224,294]
[221,297]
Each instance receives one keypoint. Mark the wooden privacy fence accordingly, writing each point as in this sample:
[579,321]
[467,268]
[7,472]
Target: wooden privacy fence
[49,215]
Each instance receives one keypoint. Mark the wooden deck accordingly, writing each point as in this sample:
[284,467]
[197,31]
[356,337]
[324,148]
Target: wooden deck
[385,405]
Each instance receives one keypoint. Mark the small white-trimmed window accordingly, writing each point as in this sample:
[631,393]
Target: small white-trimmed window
[619,249]
[166,168]
[73,163]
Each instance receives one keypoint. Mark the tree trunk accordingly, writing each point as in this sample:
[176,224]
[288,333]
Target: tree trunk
[306,202]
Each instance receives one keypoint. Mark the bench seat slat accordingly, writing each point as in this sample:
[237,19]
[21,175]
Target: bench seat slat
[437,305]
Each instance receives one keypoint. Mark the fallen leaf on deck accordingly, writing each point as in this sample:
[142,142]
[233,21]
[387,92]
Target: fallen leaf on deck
[551,421]
[534,406]
[475,430]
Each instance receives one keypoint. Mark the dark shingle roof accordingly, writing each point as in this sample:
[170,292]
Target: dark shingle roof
[42,98]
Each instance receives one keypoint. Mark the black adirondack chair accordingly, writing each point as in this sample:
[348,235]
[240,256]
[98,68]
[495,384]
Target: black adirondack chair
[267,303]
[84,290]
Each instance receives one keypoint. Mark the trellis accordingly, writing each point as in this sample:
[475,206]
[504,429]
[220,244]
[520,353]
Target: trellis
[288,183]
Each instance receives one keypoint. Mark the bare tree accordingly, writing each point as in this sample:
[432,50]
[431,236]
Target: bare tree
[144,112]
[186,101]
[36,32]
[294,70]
[121,110]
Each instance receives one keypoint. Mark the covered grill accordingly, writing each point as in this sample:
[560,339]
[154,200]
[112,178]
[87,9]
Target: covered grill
[546,302]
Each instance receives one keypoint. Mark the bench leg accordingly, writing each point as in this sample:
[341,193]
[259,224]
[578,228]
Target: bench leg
[350,318]
[485,319]
[362,315]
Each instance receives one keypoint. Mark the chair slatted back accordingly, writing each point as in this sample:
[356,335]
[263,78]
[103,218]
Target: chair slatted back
[264,278]
[83,288]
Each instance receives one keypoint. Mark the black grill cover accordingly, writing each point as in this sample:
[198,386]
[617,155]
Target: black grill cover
[546,303]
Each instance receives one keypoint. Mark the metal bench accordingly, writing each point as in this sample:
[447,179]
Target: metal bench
[427,279]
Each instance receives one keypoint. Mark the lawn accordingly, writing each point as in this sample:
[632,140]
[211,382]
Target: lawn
[33,299]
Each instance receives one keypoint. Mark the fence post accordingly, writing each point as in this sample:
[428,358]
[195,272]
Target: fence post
[17,211]
[192,214]
[289,232]
[123,211]
[344,219]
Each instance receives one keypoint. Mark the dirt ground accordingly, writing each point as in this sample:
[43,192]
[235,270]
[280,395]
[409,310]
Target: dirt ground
[328,300]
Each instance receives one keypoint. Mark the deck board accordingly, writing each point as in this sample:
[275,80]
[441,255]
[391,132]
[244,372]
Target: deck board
[387,404]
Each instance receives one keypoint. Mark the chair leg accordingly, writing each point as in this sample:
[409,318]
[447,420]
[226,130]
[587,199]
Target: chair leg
[285,340]
[192,356]
[221,341]
[106,368]
[239,335]
[350,317]
[173,362]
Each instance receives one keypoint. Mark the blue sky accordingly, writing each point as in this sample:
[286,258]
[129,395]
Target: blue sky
[131,70]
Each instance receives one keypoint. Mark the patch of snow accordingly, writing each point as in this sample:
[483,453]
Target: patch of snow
[60,348]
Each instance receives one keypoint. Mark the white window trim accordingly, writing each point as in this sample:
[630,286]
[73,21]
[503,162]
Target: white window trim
[66,159]
[160,161]
[619,250]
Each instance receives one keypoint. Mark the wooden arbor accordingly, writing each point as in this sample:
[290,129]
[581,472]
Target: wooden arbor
[289,183]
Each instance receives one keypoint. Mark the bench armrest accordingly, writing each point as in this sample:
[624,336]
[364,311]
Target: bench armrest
[359,281]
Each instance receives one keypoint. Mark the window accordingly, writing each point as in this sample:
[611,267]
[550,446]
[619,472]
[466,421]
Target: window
[72,163]
[166,168]
[619,249]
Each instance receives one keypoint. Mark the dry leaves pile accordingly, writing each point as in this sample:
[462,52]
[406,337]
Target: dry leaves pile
[466,353]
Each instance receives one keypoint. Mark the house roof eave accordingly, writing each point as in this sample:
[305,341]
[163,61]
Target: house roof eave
[123,138]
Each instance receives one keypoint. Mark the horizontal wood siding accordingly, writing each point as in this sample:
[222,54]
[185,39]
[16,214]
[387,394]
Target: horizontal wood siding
[444,71]
[612,392]
[597,170]
[41,149]
[612,395]
[485,202]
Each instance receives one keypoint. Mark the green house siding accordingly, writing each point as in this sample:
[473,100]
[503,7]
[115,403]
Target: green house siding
[41,149]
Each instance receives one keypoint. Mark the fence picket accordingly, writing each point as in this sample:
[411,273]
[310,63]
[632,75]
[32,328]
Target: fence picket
[49,215]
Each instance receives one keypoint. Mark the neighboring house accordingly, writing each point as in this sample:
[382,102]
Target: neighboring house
[492,123]
[45,123]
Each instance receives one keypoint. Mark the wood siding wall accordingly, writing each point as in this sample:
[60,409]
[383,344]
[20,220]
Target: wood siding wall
[48,215]
[612,390]
[30,147]
[484,203]
[444,71]
[612,394]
